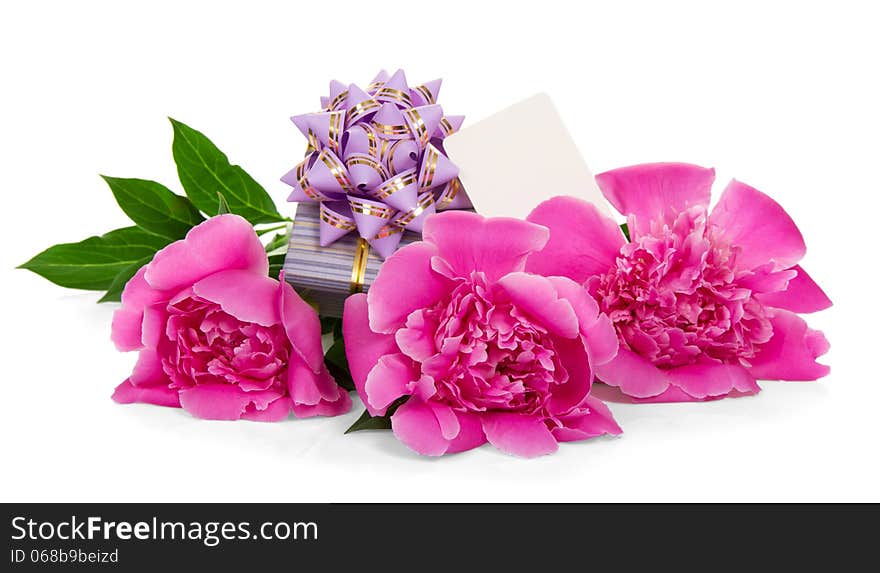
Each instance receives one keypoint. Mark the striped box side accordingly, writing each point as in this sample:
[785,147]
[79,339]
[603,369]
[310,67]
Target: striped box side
[323,274]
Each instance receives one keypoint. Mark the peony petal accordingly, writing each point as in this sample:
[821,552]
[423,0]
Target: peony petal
[125,329]
[764,279]
[759,226]
[302,325]
[596,328]
[406,282]
[602,342]
[468,242]
[324,408]
[802,295]
[712,379]
[518,434]
[309,388]
[148,370]
[574,357]
[600,419]
[416,340]
[128,320]
[595,419]
[387,381]
[363,347]
[537,296]
[415,424]
[673,394]
[127,393]
[583,242]
[247,296]
[154,324]
[585,306]
[634,375]
[277,411]
[792,351]
[656,191]
[221,243]
[447,419]
[224,401]
[470,434]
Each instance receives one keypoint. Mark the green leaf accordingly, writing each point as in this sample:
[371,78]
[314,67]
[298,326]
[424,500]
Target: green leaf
[343,377]
[367,422]
[625,228]
[223,208]
[279,241]
[328,324]
[337,363]
[205,171]
[153,207]
[114,291]
[94,263]
[276,263]
[336,353]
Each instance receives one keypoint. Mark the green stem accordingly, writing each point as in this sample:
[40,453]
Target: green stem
[271,229]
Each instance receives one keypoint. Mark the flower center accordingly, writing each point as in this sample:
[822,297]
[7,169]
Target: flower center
[205,345]
[490,356]
[673,296]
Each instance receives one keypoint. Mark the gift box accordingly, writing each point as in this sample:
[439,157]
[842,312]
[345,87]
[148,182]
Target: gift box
[326,276]
[373,171]
[509,162]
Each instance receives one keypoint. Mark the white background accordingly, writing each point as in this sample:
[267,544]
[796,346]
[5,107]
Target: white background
[781,95]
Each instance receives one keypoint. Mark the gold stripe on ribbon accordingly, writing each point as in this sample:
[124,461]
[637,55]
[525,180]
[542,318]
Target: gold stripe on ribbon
[430,165]
[390,159]
[380,211]
[313,139]
[426,94]
[335,129]
[335,102]
[369,162]
[359,266]
[418,124]
[393,94]
[383,151]
[394,185]
[336,221]
[451,191]
[304,183]
[337,169]
[301,169]
[390,130]
[409,217]
[359,110]
[387,231]
[310,191]
[371,139]
[374,86]
[446,126]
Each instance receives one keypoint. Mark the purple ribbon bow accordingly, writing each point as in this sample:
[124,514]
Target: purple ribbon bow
[375,161]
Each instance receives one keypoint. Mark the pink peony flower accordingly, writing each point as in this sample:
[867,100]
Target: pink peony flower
[703,303]
[218,337]
[480,349]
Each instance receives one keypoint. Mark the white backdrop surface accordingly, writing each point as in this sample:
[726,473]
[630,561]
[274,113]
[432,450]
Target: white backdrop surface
[780,95]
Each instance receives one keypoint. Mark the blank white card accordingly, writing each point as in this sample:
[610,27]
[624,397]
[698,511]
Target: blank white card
[513,160]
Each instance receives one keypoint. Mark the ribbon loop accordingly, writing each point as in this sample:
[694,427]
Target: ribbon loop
[452,196]
[413,219]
